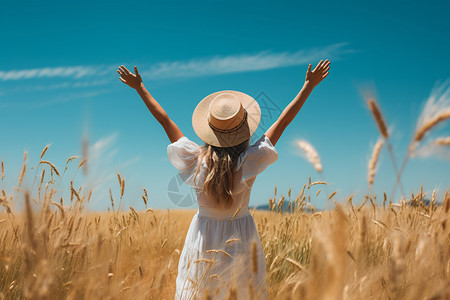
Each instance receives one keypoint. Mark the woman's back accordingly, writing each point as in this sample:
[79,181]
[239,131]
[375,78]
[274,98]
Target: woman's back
[184,155]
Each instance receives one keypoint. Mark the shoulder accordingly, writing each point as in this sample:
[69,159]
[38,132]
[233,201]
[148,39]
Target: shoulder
[261,151]
[183,153]
[184,142]
[264,140]
[263,144]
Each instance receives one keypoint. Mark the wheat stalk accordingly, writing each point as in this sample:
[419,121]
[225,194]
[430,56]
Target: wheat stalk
[332,195]
[51,165]
[317,182]
[232,241]
[311,154]
[254,257]
[442,141]
[70,159]
[378,116]
[235,214]
[145,197]
[122,188]
[200,260]
[44,150]
[299,266]
[82,163]
[439,118]
[22,174]
[373,162]
[219,251]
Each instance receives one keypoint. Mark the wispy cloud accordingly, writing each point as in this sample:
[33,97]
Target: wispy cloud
[58,99]
[197,67]
[75,72]
[103,163]
[242,63]
[63,85]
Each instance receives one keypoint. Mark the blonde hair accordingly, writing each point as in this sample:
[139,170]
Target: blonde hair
[219,181]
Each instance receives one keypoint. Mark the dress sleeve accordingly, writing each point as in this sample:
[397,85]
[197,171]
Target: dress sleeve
[256,158]
[183,153]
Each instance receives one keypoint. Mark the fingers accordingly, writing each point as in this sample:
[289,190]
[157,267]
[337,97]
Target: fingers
[323,67]
[324,64]
[326,67]
[120,73]
[319,65]
[125,70]
[136,71]
[309,68]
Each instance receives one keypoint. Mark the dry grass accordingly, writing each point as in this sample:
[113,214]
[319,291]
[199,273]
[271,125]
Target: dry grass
[439,118]
[55,249]
[443,141]
[311,154]
[373,162]
[378,116]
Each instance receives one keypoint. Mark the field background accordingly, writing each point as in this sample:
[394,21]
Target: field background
[369,251]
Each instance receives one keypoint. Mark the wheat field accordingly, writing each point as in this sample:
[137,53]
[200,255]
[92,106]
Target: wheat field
[54,248]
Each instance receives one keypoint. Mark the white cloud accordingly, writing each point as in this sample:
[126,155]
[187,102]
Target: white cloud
[192,68]
[241,63]
[102,166]
[75,72]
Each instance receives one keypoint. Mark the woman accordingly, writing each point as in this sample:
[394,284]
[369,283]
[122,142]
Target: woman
[222,253]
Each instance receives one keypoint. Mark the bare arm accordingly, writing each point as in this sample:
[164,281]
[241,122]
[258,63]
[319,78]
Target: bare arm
[135,82]
[313,78]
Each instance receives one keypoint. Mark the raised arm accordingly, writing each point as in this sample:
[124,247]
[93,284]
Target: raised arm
[135,82]
[313,78]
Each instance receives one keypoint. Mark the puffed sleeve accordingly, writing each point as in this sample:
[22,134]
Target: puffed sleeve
[183,154]
[256,158]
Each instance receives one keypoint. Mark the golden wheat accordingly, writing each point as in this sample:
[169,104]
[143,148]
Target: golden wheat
[373,162]
[311,154]
[3,170]
[44,150]
[441,117]
[22,174]
[443,141]
[378,116]
[51,165]
[54,250]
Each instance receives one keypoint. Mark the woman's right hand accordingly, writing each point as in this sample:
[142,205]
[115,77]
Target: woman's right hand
[130,79]
[318,74]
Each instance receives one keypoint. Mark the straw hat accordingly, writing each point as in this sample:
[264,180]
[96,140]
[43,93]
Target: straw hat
[226,118]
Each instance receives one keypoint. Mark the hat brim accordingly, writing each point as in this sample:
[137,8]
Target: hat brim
[219,139]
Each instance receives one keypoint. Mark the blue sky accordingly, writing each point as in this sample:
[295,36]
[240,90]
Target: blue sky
[58,84]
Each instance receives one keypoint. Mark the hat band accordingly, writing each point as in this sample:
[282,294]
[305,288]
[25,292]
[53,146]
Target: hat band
[231,129]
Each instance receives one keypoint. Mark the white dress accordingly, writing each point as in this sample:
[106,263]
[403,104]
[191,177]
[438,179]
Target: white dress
[215,229]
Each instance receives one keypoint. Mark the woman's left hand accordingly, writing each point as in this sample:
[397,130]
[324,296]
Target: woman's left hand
[130,79]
